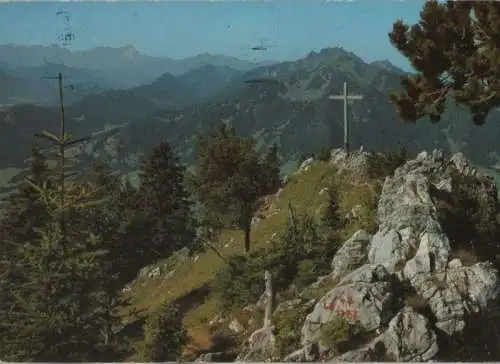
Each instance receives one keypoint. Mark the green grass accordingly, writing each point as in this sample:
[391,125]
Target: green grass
[302,191]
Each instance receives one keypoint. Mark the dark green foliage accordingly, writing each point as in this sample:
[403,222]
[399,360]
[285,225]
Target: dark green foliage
[241,282]
[336,333]
[50,303]
[164,335]
[288,330]
[54,285]
[24,212]
[331,218]
[324,154]
[308,272]
[231,178]
[454,50]
[381,165]
[58,302]
[124,228]
[163,200]
[470,216]
[271,168]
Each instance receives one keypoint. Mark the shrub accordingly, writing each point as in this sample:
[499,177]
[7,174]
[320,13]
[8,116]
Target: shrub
[469,216]
[288,326]
[234,284]
[368,221]
[308,272]
[331,217]
[241,281]
[164,335]
[336,332]
[324,154]
[223,340]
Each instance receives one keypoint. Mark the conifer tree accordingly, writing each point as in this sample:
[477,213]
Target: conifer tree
[454,50]
[273,163]
[164,334]
[232,177]
[23,211]
[52,286]
[105,220]
[164,201]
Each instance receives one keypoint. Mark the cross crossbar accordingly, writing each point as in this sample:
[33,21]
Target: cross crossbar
[346,97]
[349,97]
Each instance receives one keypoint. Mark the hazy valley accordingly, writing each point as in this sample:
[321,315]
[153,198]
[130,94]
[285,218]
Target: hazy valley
[188,97]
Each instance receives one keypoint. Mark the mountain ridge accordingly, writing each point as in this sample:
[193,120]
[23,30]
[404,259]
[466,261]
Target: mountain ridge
[115,62]
[288,105]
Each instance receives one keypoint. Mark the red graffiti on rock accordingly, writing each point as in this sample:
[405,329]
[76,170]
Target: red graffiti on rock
[342,307]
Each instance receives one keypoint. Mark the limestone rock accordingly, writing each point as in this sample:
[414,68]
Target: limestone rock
[410,337]
[351,255]
[236,326]
[259,346]
[363,297]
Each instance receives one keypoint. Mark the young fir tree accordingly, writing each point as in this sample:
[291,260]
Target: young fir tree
[232,177]
[23,211]
[164,334]
[273,163]
[105,221]
[454,51]
[164,201]
[51,286]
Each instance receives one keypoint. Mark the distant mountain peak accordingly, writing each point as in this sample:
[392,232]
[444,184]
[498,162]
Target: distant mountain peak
[333,52]
[129,50]
[387,65]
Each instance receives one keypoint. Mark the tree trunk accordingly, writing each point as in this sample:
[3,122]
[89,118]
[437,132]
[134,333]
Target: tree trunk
[247,225]
[247,238]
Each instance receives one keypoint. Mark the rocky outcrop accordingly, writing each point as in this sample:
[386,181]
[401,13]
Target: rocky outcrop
[351,255]
[166,268]
[410,257]
[409,337]
[364,298]
[355,161]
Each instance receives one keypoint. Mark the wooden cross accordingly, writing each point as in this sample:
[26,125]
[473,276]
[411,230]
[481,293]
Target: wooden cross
[346,98]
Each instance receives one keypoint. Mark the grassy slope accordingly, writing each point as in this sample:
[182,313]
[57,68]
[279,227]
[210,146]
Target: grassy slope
[192,276]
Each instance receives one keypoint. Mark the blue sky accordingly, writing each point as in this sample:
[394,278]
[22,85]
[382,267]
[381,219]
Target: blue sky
[183,29]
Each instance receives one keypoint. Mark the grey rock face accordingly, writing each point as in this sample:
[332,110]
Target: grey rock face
[352,254]
[410,249]
[364,297]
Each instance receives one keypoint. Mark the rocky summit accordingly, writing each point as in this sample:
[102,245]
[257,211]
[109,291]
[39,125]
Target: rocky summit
[408,289]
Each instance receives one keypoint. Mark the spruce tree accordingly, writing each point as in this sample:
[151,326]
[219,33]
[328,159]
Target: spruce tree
[232,177]
[23,210]
[52,286]
[164,334]
[164,201]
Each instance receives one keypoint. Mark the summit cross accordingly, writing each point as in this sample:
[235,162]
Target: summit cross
[346,97]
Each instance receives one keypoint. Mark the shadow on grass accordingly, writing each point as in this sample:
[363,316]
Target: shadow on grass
[130,333]
[193,298]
